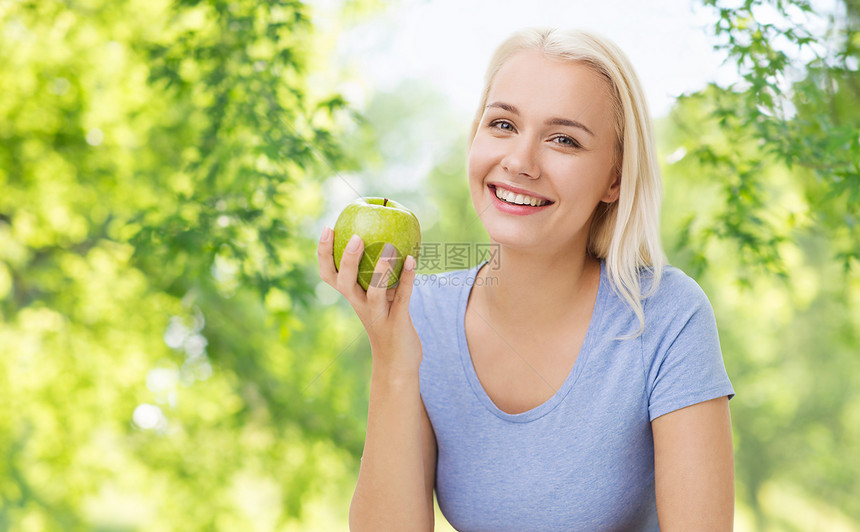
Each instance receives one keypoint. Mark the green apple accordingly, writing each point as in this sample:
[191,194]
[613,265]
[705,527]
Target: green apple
[377,221]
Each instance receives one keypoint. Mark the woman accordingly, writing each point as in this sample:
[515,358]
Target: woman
[576,382]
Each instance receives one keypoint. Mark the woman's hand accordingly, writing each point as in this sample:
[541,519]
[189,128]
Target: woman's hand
[383,312]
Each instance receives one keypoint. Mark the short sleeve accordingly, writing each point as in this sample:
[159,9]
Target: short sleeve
[686,363]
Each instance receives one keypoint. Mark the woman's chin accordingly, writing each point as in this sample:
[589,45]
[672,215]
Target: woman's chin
[513,239]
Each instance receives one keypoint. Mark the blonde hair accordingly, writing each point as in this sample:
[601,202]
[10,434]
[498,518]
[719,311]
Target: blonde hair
[626,232]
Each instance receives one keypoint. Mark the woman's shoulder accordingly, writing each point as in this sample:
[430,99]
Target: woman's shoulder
[674,283]
[675,295]
[670,298]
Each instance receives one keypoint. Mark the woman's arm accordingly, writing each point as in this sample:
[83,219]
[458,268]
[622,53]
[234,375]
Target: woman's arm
[398,467]
[694,468]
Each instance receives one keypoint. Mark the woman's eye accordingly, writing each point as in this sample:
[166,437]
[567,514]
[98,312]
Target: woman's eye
[502,124]
[566,141]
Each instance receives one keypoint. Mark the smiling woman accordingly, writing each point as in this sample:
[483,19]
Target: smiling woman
[575,383]
[605,76]
[526,145]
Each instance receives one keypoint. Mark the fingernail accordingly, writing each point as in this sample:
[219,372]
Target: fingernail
[353,244]
[326,234]
[388,252]
[409,265]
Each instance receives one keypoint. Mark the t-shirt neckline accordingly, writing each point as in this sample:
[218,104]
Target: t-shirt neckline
[581,359]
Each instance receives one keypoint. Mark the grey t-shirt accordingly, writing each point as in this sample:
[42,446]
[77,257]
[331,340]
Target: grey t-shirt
[584,459]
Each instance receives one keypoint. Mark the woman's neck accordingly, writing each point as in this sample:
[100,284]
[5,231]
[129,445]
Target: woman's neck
[538,291]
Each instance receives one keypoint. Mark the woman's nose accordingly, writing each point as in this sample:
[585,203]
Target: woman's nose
[523,159]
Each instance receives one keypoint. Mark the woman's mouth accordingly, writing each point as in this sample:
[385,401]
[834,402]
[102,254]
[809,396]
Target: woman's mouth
[514,198]
[510,202]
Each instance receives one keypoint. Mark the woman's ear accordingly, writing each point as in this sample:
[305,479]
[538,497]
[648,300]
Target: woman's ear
[614,189]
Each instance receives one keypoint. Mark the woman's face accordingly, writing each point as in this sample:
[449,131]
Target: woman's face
[545,144]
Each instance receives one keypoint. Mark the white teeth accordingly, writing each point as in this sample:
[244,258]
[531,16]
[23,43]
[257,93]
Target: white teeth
[519,199]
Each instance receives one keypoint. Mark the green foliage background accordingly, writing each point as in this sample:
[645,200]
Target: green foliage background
[168,359]
[160,165]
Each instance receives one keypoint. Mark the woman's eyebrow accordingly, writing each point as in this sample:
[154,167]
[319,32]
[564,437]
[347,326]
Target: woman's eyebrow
[569,123]
[506,106]
[550,122]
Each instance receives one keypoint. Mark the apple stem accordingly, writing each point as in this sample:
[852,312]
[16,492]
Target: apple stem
[384,202]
